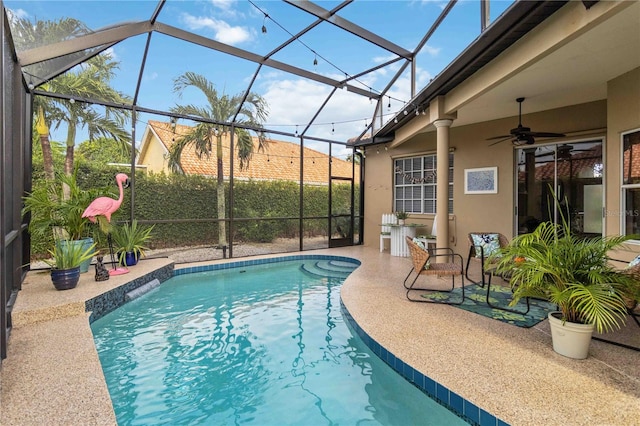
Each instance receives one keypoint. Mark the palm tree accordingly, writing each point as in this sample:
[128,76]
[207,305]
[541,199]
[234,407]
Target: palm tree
[90,80]
[28,35]
[221,109]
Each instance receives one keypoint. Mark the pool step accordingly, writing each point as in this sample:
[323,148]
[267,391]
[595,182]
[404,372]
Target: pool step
[328,268]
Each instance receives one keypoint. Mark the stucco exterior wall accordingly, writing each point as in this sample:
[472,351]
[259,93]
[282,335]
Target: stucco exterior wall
[473,213]
[154,156]
[623,115]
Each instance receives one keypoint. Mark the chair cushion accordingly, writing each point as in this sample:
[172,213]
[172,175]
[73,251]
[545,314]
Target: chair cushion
[419,243]
[489,243]
[634,262]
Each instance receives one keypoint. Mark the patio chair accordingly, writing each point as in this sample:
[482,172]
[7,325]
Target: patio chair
[385,231]
[632,305]
[420,258]
[481,246]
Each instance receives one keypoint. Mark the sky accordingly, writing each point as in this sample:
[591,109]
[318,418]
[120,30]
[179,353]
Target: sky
[292,101]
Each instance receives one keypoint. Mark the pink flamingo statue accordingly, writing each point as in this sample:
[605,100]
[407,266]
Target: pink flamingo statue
[101,209]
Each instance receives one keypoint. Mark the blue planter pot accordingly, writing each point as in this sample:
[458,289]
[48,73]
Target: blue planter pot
[130,258]
[65,279]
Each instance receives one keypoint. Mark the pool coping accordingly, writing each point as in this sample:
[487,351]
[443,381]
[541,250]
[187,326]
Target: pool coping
[455,403]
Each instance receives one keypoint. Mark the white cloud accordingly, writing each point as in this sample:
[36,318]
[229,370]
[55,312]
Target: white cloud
[223,32]
[111,52]
[223,4]
[432,51]
[295,101]
[17,14]
[151,76]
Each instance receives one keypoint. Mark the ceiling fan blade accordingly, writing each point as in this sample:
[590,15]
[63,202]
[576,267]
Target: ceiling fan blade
[504,138]
[522,135]
[499,137]
[546,135]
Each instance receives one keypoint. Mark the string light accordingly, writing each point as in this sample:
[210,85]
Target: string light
[173,123]
[264,27]
[347,77]
[292,159]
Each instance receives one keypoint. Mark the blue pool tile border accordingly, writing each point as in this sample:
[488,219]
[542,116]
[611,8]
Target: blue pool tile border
[243,263]
[101,305]
[439,393]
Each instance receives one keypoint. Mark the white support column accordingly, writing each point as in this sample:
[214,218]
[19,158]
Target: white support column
[442,187]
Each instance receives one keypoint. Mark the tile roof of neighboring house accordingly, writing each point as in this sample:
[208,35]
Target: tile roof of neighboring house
[583,161]
[278,161]
[631,163]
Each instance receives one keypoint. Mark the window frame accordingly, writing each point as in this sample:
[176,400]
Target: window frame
[626,213]
[420,183]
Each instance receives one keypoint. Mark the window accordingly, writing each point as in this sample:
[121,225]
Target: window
[415,184]
[630,212]
[572,171]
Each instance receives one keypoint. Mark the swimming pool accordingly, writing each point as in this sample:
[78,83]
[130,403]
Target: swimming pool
[261,344]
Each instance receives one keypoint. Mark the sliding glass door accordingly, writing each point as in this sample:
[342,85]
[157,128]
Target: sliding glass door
[574,172]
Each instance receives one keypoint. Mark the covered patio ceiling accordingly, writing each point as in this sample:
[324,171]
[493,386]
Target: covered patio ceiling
[573,68]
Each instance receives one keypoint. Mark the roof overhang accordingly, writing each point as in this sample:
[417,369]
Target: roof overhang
[516,22]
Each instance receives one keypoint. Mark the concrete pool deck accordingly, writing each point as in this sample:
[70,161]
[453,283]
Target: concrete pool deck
[52,374]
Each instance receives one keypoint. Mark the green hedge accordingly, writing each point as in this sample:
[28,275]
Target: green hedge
[160,197]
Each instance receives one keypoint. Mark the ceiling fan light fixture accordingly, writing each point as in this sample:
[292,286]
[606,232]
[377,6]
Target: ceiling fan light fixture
[520,140]
[523,135]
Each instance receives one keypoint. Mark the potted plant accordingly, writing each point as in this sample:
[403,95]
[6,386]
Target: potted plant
[56,213]
[575,274]
[130,241]
[65,264]
[401,216]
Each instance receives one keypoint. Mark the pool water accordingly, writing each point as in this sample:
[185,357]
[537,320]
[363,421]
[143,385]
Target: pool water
[263,344]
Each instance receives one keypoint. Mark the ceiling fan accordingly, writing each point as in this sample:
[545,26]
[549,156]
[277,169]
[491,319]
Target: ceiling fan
[522,135]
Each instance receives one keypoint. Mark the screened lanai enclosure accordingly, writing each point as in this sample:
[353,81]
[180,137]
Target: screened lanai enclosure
[241,131]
